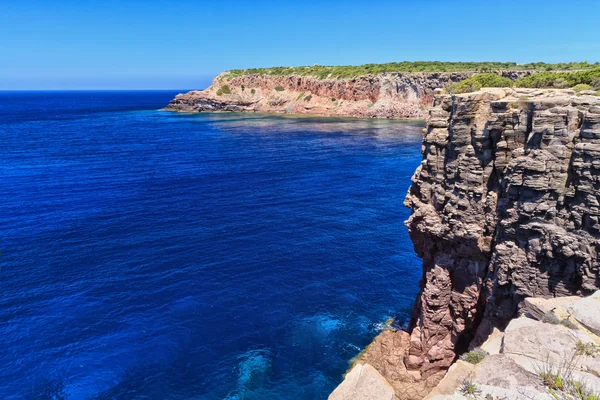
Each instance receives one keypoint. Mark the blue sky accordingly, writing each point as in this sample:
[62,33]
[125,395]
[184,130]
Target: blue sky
[182,44]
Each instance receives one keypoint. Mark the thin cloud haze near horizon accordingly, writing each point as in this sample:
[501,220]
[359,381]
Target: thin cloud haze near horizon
[150,45]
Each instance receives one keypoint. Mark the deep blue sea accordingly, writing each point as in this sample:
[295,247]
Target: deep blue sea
[154,255]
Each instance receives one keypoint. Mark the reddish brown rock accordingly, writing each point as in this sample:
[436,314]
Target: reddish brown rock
[388,95]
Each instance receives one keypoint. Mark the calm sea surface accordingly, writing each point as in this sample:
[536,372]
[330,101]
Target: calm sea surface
[152,255]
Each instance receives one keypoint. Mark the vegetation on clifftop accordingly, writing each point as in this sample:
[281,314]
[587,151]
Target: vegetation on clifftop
[577,80]
[349,71]
[476,82]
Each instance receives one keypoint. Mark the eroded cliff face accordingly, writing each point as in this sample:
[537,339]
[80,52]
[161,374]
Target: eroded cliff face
[505,206]
[389,95]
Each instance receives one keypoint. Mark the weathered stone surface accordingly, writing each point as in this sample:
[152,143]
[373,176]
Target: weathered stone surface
[363,382]
[493,344]
[457,373]
[587,312]
[387,354]
[505,206]
[503,372]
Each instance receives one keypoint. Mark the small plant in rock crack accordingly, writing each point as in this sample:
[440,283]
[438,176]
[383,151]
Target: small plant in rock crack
[474,356]
[588,349]
[551,318]
[469,388]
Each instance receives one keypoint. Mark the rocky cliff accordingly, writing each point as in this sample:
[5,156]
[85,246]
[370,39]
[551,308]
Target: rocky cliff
[505,207]
[386,95]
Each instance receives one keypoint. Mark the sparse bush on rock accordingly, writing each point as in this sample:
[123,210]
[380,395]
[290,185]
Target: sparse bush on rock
[279,88]
[223,90]
[474,356]
[560,79]
[581,87]
[479,81]
[469,389]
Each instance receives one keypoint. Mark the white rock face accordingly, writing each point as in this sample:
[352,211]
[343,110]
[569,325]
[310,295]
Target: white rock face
[587,312]
[363,382]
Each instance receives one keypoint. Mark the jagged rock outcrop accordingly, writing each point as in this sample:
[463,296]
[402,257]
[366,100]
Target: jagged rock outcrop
[505,214]
[386,95]
[505,206]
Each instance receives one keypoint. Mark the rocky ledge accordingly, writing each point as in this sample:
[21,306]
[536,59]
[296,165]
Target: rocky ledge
[386,95]
[505,208]
[551,352]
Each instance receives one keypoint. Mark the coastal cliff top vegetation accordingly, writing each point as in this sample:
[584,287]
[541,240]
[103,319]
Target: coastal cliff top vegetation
[349,71]
[588,79]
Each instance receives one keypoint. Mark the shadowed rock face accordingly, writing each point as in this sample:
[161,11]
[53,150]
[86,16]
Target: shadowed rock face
[388,95]
[505,206]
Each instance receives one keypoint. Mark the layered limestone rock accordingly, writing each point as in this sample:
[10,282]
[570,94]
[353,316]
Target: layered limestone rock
[505,206]
[388,95]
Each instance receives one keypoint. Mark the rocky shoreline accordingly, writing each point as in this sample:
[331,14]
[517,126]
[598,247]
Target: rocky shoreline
[505,209]
[385,95]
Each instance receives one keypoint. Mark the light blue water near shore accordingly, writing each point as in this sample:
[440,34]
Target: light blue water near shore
[152,255]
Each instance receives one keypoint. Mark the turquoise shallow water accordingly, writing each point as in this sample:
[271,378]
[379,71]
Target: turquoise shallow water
[152,255]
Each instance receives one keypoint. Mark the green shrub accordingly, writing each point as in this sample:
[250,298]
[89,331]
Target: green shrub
[567,322]
[333,99]
[589,349]
[300,96]
[468,388]
[595,84]
[581,87]
[224,90]
[220,92]
[243,88]
[353,71]
[252,91]
[308,98]
[474,356]
[560,79]
[550,318]
[479,81]
[279,88]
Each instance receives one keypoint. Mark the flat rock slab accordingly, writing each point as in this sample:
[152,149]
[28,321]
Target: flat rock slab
[458,372]
[493,344]
[587,312]
[363,382]
[502,371]
[541,341]
[538,307]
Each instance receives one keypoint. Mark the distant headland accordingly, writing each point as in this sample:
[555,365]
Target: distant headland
[391,90]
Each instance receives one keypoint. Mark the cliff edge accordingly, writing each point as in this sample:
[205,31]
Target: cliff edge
[505,207]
